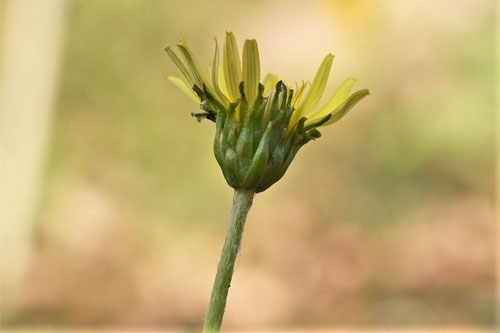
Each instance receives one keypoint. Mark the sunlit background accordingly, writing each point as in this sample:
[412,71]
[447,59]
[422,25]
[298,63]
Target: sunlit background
[114,208]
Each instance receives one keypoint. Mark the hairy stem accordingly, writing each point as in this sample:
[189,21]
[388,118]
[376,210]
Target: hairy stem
[242,202]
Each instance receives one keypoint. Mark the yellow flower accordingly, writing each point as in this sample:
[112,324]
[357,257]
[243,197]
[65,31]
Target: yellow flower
[223,82]
[260,126]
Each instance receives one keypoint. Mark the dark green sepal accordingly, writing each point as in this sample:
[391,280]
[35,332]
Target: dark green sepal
[214,102]
[258,122]
[206,104]
[244,145]
[291,155]
[202,115]
[314,133]
[233,135]
[274,168]
[256,110]
[260,95]
[259,161]
[231,168]
[299,129]
[274,108]
[243,101]
[199,92]
[219,153]
[229,126]
[290,97]
[284,100]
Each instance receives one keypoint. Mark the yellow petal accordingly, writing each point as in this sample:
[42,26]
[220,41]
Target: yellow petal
[210,72]
[232,66]
[347,105]
[269,83]
[220,79]
[195,69]
[251,69]
[222,82]
[181,84]
[316,91]
[215,75]
[335,101]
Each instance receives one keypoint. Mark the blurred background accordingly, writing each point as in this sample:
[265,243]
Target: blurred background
[114,210]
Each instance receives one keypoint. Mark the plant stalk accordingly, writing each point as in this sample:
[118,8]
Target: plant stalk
[242,201]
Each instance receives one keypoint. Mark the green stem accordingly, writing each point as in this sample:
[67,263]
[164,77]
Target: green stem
[242,201]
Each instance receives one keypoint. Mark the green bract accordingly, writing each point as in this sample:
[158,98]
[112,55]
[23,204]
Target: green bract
[260,127]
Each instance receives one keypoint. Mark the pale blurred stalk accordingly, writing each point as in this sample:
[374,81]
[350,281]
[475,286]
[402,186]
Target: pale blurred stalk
[242,201]
[30,60]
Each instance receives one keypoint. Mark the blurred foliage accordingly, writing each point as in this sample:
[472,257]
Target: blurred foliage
[387,220]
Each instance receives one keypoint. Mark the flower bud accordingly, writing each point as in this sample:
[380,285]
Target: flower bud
[259,127]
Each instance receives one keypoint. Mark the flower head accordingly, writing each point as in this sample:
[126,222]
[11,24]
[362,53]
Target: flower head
[260,124]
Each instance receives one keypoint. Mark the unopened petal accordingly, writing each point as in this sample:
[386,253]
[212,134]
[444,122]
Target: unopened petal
[181,84]
[232,66]
[251,69]
[222,82]
[215,75]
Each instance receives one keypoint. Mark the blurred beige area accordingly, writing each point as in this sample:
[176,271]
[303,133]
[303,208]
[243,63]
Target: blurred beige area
[387,222]
[29,66]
